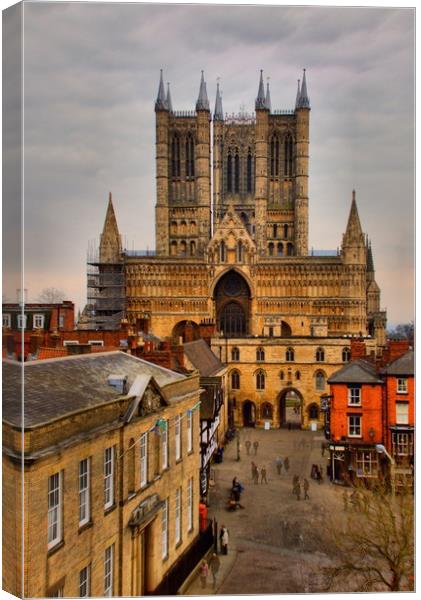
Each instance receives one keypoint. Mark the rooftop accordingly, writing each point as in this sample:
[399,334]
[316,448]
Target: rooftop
[404,365]
[202,358]
[357,371]
[56,387]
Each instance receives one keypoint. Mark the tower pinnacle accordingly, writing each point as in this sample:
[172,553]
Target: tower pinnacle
[110,243]
[218,115]
[160,103]
[168,100]
[304,100]
[202,101]
[267,99]
[297,99]
[261,100]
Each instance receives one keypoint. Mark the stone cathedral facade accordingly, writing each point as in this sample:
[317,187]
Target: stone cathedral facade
[232,262]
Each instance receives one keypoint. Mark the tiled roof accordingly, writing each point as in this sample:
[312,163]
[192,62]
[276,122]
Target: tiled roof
[59,386]
[357,371]
[44,352]
[202,358]
[404,365]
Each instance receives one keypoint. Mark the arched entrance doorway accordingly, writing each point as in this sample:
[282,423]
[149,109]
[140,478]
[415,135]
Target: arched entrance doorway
[232,305]
[187,330]
[290,408]
[249,414]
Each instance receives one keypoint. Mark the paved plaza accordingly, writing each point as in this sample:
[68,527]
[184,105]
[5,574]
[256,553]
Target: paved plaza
[276,541]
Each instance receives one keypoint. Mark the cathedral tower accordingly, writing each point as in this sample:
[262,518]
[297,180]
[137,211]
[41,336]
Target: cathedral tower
[302,111]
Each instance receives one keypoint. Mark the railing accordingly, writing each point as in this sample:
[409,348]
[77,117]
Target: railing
[324,252]
[183,113]
[139,252]
[187,562]
[283,111]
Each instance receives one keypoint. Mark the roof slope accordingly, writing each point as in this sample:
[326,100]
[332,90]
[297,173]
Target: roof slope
[404,365]
[357,371]
[59,386]
[202,358]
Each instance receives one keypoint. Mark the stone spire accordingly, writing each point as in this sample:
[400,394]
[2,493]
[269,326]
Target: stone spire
[353,243]
[370,260]
[202,101]
[168,100]
[267,99]
[353,229]
[161,103]
[110,242]
[304,100]
[297,99]
[261,100]
[218,115]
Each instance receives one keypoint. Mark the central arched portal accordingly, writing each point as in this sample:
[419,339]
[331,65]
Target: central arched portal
[290,408]
[232,305]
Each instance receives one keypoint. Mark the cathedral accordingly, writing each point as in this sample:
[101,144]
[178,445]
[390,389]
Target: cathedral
[232,262]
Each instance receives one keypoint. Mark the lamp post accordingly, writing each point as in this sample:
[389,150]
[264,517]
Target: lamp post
[380,449]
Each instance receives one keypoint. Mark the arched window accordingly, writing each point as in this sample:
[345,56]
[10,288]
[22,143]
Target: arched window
[235,353]
[346,355]
[173,248]
[267,411]
[174,227]
[274,156]
[240,251]
[320,355]
[290,249]
[281,375]
[192,248]
[260,380]
[222,251]
[313,411]
[183,227]
[235,380]
[183,248]
[275,230]
[236,173]
[249,172]
[297,375]
[175,151]
[286,232]
[193,227]
[289,355]
[189,156]
[229,172]
[320,381]
[270,248]
[288,158]
[285,329]
[260,354]
[280,249]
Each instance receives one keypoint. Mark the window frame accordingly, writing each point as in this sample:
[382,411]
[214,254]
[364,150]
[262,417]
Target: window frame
[109,477]
[164,530]
[320,355]
[364,458]
[84,492]
[56,509]
[400,441]
[402,385]
[143,450]
[177,519]
[318,377]
[24,319]
[164,446]
[260,354]
[38,317]
[7,320]
[289,354]
[189,431]
[109,572]
[355,426]
[352,396]
[177,438]
[86,573]
[260,380]
[399,420]
[235,379]
[190,504]
[235,354]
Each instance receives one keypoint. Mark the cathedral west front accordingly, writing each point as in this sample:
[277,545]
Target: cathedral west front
[232,263]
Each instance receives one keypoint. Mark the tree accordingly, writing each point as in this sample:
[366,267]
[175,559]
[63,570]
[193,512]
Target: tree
[372,544]
[403,331]
[51,295]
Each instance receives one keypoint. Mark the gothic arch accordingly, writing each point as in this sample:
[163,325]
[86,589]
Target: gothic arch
[232,299]
[285,397]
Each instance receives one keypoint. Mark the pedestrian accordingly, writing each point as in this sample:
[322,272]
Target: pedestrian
[297,490]
[204,571]
[256,475]
[255,446]
[248,446]
[286,465]
[253,469]
[279,462]
[323,448]
[214,565]
[263,474]
[224,539]
[306,487]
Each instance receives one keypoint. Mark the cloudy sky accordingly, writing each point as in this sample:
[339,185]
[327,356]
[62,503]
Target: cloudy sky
[91,77]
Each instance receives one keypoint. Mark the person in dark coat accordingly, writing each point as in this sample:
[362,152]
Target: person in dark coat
[263,474]
[286,465]
[297,490]
[255,446]
[248,446]
[306,487]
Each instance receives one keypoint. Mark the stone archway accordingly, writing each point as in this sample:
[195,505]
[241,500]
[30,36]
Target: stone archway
[187,330]
[249,414]
[291,404]
[232,304]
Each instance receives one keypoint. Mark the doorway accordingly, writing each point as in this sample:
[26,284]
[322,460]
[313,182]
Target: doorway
[249,414]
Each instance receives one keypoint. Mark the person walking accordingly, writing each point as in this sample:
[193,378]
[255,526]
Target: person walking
[263,474]
[214,564]
[286,465]
[297,490]
[224,539]
[253,470]
[248,446]
[255,446]
[306,487]
[256,474]
[279,462]
[204,571]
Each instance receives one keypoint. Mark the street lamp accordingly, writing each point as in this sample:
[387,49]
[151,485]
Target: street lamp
[380,449]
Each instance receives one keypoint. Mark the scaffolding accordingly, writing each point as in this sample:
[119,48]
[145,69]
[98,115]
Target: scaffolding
[106,299]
